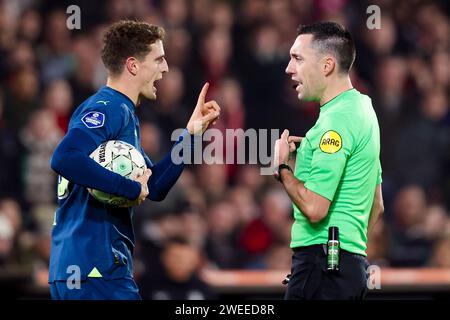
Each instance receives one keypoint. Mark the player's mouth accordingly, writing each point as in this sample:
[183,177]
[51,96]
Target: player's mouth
[154,83]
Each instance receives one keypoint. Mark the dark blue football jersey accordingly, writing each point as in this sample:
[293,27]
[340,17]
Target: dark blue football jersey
[88,236]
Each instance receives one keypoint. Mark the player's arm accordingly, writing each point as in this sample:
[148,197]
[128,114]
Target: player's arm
[166,172]
[312,205]
[377,208]
[71,160]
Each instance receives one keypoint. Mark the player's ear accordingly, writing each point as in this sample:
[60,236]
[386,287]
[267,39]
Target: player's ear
[329,64]
[131,65]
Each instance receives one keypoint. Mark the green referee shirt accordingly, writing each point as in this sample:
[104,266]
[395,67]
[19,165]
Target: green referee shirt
[339,159]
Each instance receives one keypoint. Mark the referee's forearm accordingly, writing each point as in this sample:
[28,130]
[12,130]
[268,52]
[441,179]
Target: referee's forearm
[296,191]
[377,208]
[375,215]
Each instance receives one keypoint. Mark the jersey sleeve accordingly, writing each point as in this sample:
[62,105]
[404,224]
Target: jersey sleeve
[88,130]
[331,144]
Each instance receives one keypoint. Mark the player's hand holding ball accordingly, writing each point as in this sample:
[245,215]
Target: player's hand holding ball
[143,179]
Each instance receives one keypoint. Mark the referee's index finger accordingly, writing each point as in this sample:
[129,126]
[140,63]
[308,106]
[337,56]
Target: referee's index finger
[295,139]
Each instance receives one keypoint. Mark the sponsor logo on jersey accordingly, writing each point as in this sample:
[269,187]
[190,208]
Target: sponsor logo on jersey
[93,119]
[331,142]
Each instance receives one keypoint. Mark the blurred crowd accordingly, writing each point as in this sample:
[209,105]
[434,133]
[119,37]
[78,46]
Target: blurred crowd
[225,216]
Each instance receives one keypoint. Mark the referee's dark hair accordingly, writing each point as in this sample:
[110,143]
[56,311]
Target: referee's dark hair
[331,37]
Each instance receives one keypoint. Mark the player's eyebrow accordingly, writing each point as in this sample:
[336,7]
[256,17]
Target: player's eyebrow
[160,57]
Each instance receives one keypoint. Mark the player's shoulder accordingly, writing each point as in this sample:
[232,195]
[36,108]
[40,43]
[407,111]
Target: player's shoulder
[103,106]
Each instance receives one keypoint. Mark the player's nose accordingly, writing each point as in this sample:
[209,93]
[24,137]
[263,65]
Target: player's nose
[165,67]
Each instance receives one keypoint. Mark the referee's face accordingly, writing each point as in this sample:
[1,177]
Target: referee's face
[305,70]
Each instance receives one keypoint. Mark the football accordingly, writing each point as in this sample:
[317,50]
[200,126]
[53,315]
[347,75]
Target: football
[122,158]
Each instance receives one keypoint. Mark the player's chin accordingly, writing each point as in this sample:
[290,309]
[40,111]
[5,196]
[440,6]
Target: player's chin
[150,95]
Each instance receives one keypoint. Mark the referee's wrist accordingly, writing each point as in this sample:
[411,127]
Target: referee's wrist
[279,170]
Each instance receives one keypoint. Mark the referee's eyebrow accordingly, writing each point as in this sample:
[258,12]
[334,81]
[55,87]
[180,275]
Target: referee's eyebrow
[296,55]
[160,57]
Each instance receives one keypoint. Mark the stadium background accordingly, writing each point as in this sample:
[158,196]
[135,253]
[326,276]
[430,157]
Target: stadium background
[228,217]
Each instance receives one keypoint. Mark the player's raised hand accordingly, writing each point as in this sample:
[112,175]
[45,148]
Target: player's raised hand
[204,113]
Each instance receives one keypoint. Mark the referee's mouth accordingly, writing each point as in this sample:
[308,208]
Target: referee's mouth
[297,84]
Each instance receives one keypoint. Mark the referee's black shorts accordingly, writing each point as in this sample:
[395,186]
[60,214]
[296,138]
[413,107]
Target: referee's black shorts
[310,279]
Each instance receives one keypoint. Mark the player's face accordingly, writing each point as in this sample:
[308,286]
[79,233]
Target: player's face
[151,70]
[305,69]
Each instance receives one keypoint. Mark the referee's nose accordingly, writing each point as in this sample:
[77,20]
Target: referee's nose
[290,68]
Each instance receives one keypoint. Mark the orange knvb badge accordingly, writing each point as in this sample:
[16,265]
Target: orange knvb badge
[331,142]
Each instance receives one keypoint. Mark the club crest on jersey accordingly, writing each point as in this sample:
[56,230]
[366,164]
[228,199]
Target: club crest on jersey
[331,142]
[93,119]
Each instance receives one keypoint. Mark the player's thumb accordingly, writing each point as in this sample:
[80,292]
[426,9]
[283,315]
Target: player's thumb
[146,175]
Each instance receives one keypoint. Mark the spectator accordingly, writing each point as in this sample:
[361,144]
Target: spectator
[40,138]
[179,279]
[410,246]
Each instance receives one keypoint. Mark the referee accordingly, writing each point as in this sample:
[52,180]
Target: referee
[336,185]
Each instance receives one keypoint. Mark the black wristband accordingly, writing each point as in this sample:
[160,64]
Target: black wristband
[277,173]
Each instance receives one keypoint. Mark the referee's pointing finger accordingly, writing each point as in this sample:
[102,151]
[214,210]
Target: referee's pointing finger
[295,139]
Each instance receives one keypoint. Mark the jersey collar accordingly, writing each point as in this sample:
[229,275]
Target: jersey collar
[330,102]
[130,105]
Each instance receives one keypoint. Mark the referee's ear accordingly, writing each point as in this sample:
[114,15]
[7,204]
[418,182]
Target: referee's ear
[329,65]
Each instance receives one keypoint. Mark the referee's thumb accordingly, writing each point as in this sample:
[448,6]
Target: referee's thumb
[285,135]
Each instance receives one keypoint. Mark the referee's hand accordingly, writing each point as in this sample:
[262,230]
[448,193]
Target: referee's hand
[284,147]
[293,141]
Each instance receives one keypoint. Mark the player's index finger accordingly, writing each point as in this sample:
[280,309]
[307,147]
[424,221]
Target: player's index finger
[202,96]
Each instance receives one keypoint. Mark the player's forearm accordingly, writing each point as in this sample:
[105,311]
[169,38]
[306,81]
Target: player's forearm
[300,196]
[71,161]
[166,172]
[164,175]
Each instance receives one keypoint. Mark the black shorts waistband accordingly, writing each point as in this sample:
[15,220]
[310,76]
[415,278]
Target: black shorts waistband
[322,248]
